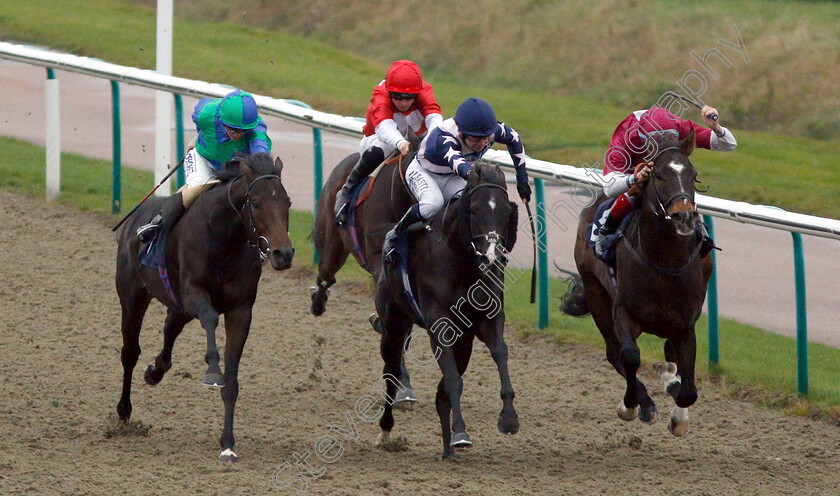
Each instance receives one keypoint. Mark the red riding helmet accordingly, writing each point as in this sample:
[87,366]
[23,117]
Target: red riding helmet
[404,77]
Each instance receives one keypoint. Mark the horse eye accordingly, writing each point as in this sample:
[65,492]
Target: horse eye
[257,204]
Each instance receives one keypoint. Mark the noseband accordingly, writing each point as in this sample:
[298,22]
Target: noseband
[258,240]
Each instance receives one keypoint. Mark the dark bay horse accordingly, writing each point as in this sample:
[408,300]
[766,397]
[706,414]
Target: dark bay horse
[661,285]
[214,259]
[457,276]
[387,200]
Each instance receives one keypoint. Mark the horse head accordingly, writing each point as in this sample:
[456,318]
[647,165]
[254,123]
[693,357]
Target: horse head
[266,208]
[670,189]
[484,221]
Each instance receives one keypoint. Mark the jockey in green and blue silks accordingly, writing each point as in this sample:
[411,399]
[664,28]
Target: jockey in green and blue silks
[226,126]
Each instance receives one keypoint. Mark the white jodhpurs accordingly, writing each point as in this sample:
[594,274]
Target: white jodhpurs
[369,142]
[197,169]
[432,190]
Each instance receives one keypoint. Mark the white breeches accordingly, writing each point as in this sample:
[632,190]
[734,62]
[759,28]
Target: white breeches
[197,169]
[432,190]
[369,142]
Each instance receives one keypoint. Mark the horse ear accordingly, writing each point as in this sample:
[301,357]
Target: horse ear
[278,165]
[687,145]
[512,227]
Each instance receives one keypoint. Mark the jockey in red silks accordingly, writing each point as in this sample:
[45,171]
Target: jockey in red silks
[402,101]
[445,157]
[628,149]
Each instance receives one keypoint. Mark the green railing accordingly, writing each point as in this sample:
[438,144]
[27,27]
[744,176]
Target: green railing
[714,355]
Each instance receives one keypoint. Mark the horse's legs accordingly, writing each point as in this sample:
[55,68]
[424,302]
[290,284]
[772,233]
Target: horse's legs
[331,258]
[195,298]
[600,305]
[443,408]
[237,326]
[175,322]
[134,307]
[494,338]
[678,378]
[406,394]
[396,327]
[451,360]
[630,359]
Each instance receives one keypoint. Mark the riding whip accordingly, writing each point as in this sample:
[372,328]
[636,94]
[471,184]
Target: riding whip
[534,270]
[117,226]
[675,94]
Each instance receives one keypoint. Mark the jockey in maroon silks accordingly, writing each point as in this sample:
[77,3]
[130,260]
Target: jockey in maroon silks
[403,101]
[624,161]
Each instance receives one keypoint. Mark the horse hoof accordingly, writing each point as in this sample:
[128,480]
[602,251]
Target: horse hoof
[508,425]
[382,438]
[148,376]
[228,456]
[649,416]
[406,395]
[213,380]
[678,424]
[450,457]
[627,414]
[375,323]
[460,440]
[678,430]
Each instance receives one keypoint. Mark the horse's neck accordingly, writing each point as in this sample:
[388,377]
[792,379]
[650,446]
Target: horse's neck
[658,236]
[219,211]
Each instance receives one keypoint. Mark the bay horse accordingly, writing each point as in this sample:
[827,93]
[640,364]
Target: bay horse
[214,259]
[387,200]
[457,275]
[660,285]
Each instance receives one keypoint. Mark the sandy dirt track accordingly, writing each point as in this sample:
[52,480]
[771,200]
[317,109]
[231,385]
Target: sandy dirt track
[755,271]
[59,363]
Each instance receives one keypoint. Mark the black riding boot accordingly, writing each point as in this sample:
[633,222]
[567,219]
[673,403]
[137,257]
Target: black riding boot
[171,210]
[609,226]
[367,163]
[410,217]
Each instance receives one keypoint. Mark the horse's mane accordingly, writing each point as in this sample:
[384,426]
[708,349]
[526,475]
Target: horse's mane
[487,173]
[260,163]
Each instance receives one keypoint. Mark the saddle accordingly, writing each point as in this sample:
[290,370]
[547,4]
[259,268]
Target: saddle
[154,255]
[362,191]
[608,257]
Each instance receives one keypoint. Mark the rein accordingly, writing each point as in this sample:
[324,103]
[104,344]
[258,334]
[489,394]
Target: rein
[246,207]
[642,258]
[662,212]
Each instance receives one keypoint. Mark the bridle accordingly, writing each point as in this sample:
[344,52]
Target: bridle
[255,239]
[662,210]
[492,237]
[663,213]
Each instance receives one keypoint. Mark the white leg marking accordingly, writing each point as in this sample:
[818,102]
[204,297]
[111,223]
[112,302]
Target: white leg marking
[626,413]
[679,421]
[384,437]
[668,374]
[228,455]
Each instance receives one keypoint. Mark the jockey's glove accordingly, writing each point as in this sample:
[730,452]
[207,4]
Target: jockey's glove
[524,190]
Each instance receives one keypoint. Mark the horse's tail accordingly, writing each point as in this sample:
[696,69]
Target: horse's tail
[573,302]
